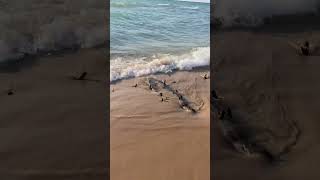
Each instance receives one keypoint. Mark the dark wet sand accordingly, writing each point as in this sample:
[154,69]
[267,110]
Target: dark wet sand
[274,95]
[53,127]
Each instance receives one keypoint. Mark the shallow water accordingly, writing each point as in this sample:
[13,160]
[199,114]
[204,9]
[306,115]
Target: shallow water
[158,36]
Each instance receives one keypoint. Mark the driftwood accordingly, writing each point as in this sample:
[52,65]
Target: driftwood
[83,77]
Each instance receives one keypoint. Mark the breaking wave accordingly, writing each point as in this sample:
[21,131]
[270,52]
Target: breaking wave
[196,1]
[124,4]
[126,67]
[31,26]
[252,12]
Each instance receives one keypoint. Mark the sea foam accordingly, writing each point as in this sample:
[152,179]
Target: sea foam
[197,1]
[252,12]
[126,67]
[33,26]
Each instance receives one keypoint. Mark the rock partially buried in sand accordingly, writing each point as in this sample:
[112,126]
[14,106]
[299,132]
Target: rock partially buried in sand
[305,49]
[205,76]
[81,77]
[10,92]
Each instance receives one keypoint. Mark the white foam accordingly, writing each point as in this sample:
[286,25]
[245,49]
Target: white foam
[31,26]
[163,4]
[251,12]
[192,8]
[197,1]
[128,67]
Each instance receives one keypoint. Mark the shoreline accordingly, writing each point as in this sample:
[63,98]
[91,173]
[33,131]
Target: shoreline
[128,66]
[287,23]
[195,69]
[28,60]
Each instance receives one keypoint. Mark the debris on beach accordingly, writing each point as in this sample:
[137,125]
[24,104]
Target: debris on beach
[184,102]
[205,76]
[10,92]
[81,77]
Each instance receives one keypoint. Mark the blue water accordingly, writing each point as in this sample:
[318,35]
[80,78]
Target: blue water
[150,36]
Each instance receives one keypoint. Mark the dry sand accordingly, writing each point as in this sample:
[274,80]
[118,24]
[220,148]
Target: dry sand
[274,96]
[151,139]
[54,127]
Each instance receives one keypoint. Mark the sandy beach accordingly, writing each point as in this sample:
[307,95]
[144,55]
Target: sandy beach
[273,92]
[54,127]
[160,137]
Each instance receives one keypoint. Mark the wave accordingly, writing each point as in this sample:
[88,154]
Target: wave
[30,27]
[163,4]
[126,67]
[252,12]
[124,4]
[196,1]
[191,8]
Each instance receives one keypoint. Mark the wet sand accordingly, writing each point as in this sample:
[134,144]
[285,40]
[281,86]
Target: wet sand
[155,139]
[273,92]
[54,127]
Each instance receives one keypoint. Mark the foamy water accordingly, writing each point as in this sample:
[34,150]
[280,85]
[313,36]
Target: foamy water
[198,1]
[32,26]
[126,67]
[252,12]
[149,37]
